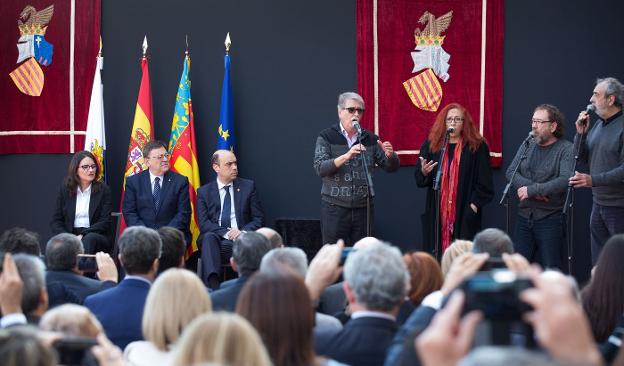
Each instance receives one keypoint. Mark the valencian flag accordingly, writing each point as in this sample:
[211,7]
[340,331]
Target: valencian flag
[182,146]
[226,116]
[95,141]
[142,128]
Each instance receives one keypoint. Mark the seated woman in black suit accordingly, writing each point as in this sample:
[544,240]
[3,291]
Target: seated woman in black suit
[83,205]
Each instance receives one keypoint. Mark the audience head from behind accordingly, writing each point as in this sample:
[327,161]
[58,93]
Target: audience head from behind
[425,275]
[274,237]
[493,241]
[290,257]
[454,251]
[176,298]
[20,346]
[173,248]
[603,296]
[266,301]
[247,252]
[139,250]
[18,240]
[221,339]
[375,278]
[34,294]
[62,251]
[71,320]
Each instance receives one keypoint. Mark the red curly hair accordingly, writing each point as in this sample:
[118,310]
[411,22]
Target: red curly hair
[470,134]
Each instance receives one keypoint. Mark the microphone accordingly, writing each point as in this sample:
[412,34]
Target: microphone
[356,125]
[589,108]
[529,138]
[450,130]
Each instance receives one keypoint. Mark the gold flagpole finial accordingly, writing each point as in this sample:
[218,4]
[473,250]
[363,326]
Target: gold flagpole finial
[144,46]
[228,43]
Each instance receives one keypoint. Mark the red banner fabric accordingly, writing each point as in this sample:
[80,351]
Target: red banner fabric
[416,56]
[37,35]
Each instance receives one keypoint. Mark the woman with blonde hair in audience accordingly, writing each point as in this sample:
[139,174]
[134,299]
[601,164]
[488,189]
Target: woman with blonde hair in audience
[221,338]
[71,319]
[175,299]
[279,306]
[457,249]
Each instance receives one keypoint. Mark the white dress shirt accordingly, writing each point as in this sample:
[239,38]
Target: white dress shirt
[81,218]
[234,224]
[350,141]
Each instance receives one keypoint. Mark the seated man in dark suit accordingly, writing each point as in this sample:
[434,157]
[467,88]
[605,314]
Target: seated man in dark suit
[247,252]
[61,257]
[375,282]
[120,309]
[157,197]
[226,207]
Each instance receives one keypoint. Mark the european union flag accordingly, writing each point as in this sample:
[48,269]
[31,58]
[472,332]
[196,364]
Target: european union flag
[226,116]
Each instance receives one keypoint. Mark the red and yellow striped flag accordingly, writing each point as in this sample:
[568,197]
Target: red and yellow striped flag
[182,147]
[142,131]
[424,90]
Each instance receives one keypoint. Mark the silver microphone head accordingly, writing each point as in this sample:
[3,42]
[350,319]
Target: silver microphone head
[450,130]
[531,135]
[590,108]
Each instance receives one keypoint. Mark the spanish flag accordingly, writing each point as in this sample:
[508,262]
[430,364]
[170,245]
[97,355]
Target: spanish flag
[142,129]
[182,146]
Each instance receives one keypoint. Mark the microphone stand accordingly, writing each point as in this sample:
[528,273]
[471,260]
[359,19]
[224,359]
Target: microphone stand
[370,191]
[569,203]
[436,187]
[505,198]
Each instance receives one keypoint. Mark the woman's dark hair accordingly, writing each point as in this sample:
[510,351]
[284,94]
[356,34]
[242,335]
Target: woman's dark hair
[72,181]
[603,297]
[470,134]
[425,275]
[278,305]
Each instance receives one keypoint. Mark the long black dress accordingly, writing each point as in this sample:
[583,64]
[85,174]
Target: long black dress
[474,186]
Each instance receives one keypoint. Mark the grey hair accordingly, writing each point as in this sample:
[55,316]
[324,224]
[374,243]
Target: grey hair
[291,257]
[493,241]
[342,99]
[248,250]
[139,247]
[613,87]
[508,356]
[378,276]
[62,251]
[32,272]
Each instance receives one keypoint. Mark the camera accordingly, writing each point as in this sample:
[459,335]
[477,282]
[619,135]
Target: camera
[75,351]
[345,253]
[87,263]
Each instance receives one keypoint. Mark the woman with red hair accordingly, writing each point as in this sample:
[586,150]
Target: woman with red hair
[466,183]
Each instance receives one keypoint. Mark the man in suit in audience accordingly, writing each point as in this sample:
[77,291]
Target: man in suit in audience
[173,249]
[492,241]
[226,207]
[120,309]
[375,282]
[247,252]
[62,252]
[157,197]
[34,294]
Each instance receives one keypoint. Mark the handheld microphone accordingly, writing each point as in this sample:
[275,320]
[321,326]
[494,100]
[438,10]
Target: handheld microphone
[589,108]
[529,138]
[356,124]
[450,130]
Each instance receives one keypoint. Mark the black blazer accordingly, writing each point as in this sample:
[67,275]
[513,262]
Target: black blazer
[174,210]
[99,211]
[247,207]
[80,285]
[225,299]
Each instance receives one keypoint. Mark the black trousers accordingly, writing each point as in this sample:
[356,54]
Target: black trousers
[215,250]
[93,242]
[348,224]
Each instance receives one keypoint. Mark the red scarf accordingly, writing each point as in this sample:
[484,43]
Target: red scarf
[448,197]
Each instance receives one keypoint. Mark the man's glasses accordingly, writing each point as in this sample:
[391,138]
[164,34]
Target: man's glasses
[161,156]
[86,167]
[352,110]
[457,120]
[538,121]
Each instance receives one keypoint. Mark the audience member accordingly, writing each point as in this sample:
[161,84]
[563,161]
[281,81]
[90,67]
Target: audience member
[18,240]
[493,241]
[221,339]
[247,252]
[177,297]
[61,257]
[19,346]
[425,278]
[274,237]
[262,302]
[375,282]
[173,249]
[72,320]
[120,309]
[603,297]
[34,294]
[457,248]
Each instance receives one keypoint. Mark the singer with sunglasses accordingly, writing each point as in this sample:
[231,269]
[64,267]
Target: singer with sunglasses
[83,204]
[466,179]
[346,205]
[544,160]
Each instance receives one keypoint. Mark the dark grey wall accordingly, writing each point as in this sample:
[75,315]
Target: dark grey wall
[290,59]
